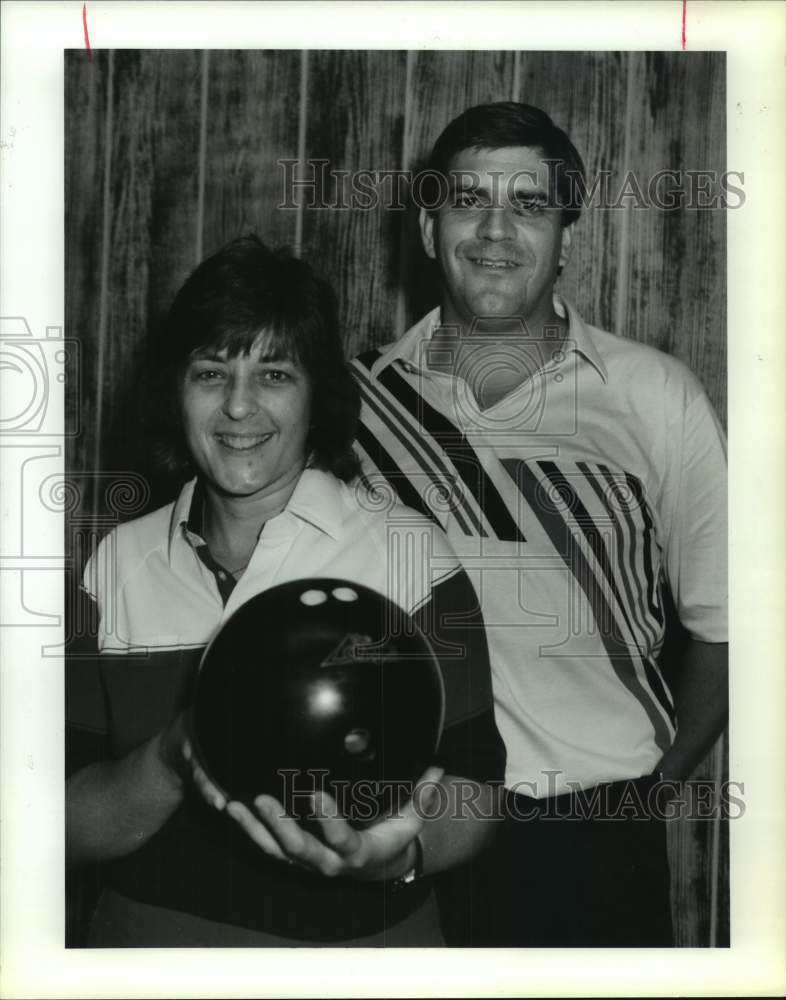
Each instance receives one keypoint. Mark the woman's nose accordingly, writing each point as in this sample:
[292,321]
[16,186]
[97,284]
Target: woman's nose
[241,399]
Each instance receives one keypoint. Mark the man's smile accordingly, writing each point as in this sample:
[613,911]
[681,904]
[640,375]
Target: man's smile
[495,263]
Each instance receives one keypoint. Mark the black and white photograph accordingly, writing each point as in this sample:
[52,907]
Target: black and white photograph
[387,424]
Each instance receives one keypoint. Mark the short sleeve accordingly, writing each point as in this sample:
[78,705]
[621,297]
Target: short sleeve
[696,547]
[85,702]
[471,746]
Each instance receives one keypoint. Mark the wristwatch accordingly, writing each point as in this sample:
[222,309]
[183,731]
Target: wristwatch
[412,874]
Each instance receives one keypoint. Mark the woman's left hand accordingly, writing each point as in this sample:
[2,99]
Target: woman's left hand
[212,795]
[383,851]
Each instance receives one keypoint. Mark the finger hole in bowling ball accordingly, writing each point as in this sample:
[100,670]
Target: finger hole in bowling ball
[345,594]
[313,598]
[357,743]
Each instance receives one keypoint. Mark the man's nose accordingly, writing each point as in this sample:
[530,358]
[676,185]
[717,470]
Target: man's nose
[241,399]
[496,224]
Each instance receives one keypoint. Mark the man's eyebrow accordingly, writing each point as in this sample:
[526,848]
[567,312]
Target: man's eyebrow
[459,184]
[535,192]
[462,184]
[465,182]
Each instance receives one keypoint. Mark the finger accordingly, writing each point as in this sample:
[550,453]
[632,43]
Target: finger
[255,830]
[432,774]
[425,797]
[212,795]
[340,836]
[289,836]
[296,843]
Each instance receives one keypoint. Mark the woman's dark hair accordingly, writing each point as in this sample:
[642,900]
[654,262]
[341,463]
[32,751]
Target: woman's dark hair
[244,289]
[510,123]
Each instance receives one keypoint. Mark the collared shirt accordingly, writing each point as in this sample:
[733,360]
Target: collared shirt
[570,502]
[160,554]
[161,599]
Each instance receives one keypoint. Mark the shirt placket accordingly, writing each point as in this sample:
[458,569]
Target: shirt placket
[271,553]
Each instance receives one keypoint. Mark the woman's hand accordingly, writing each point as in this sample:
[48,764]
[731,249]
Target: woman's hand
[212,795]
[114,807]
[383,851]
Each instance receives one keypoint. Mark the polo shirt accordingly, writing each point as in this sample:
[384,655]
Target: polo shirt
[571,502]
[160,600]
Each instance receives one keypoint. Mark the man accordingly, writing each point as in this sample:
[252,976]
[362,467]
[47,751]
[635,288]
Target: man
[581,478]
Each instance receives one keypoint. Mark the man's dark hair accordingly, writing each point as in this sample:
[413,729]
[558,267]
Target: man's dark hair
[242,290]
[510,123]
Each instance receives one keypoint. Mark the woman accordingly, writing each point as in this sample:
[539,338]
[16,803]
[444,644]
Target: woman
[264,412]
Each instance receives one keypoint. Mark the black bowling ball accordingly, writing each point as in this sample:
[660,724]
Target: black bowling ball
[319,683]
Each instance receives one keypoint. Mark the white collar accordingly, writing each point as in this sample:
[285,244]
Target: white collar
[408,349]
[316,499]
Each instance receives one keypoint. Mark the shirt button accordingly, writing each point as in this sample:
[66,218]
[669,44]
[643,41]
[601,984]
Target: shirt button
[222,575]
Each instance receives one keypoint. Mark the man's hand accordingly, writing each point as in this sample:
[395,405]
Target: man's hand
[701,700]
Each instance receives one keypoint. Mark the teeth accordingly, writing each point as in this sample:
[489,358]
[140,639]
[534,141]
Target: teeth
[242,442]
[494,265]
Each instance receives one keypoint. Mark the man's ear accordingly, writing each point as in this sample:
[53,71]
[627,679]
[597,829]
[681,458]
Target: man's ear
[566,244]
[427,233]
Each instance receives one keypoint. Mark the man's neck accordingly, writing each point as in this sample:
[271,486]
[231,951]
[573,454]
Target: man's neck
[495,357]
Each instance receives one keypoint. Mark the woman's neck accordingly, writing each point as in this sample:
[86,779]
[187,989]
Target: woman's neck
[231,525]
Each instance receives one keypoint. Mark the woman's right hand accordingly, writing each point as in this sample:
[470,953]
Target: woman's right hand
[114,807]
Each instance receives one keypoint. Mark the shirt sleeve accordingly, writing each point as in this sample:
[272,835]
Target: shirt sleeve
[471,746]
[85,704]
[697,542]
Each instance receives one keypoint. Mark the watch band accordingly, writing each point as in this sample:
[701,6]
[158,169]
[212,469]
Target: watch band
[412,874]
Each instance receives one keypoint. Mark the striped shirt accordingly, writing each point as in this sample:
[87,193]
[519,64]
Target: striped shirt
[571,502]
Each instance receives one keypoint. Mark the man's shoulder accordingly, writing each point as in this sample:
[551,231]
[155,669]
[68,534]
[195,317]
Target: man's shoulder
[375,504]
[630,361]
[375,516]
[405,347]
[370,362]
[372,507]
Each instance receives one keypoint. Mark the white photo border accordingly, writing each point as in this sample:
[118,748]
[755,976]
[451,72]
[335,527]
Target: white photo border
[35,963]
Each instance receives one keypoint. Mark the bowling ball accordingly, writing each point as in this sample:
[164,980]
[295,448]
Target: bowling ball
[319,683]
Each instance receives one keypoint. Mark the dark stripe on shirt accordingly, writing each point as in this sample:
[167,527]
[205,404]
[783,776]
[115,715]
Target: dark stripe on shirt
[654,678]
[628,537]
[397,421]
[394,424]
[388,468]
[461,454]
[564,542]
[590,530]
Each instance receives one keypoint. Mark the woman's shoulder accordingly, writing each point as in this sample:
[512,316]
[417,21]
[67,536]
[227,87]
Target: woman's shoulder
[145,532]
[130,544]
